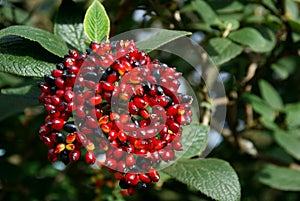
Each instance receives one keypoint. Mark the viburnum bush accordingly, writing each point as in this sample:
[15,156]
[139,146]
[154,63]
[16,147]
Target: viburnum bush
[126,105]
[116,107]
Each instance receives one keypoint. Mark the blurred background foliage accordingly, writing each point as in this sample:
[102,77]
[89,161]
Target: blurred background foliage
[254,43]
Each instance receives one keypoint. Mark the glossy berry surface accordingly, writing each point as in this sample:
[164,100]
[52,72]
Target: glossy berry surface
[115,101]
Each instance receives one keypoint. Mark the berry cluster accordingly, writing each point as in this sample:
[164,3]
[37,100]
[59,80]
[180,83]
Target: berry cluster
[113,100]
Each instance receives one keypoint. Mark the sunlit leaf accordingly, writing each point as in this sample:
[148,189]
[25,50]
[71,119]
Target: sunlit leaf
[213,177]
[96,22]
[50,42]
[222,50]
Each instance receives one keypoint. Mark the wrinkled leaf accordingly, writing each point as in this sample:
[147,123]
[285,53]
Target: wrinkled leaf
[212,177]
[68,25]
[270,95]
[222,50]
[16,59]
[194,139]
[96,22]
[159,39]
[50,42]
[281,178]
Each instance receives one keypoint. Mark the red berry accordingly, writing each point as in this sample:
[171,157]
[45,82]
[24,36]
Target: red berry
[132,108]
[112,77]
[140,103]
[52,156]
[111,163]
[74,155]
[118,153]
[130,161]
[144,178]
[107,86]
[122,136]
[112,135]
[177,146]
[132,179]
[69,95]
[57,73]
[144,113]
[57,123]
[90,157]
[118,175]
[91,122]
[95,100]
[131,191]
[153,174]
[174,127]
[73,53]
[172,110]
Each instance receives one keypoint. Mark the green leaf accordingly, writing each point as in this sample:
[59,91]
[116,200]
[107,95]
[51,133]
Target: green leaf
[27,94]
[232,24]
[213,177]
[12,13]
[222,50]
[271,5]
[252,38]
[292,111]
[289,141]
[205,11]
[268,123]
[14,106]
[68,25]
[260,106]
[50,42]
[18,99]
[159,39]
[270,95]
[285,66]
[280,178]
[291,9]
[194,139]
[201,26]
[7,79]
[269,37]
[16,59]
[96,22]
[230,7]
[295,24]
